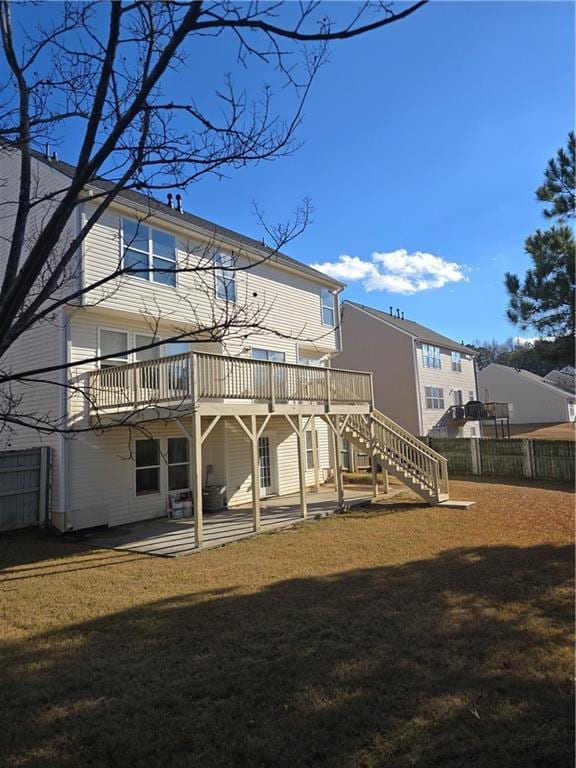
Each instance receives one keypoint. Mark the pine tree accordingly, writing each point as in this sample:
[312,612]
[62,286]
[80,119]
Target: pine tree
[544,299]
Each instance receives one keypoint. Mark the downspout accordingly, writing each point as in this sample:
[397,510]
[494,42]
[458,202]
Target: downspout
[417,381]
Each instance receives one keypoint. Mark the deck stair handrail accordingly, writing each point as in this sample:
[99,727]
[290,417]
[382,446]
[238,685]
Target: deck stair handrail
[401,453]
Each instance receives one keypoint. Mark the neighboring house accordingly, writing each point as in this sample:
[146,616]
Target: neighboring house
[418,373]
[256,413]
[532,399]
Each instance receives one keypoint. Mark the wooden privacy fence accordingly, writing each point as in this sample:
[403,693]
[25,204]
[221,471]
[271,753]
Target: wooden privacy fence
[24,488]
[538,459]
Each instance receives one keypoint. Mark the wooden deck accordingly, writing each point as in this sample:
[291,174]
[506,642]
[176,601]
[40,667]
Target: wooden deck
[165,537]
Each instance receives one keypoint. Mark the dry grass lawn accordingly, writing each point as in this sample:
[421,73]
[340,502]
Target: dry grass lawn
[398,636]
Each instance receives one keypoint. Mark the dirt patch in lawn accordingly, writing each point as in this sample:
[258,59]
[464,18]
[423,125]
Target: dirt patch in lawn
[400,635]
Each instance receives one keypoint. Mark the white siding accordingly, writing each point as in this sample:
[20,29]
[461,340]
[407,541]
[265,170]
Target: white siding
[272,298]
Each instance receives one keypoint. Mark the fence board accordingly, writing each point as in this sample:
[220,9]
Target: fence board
[24,480]
[457,452]
[554,459]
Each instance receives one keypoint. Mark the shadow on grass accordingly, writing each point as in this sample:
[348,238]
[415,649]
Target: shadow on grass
[459,660]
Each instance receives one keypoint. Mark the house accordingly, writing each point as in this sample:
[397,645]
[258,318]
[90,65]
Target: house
[532,399]
[419,374]
[252,411]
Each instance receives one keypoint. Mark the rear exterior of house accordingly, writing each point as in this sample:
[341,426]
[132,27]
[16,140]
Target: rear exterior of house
[531,399]
[420,376]
[164,404]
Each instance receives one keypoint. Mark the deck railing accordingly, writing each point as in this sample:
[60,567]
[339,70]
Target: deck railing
[479,411]
[204,376]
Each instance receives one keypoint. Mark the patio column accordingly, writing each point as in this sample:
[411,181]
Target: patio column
[196,471]
[315,455]
[255,475]
[373,462]
[302,465]
[335,429]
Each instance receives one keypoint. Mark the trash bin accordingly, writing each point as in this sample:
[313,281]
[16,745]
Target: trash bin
[213,498]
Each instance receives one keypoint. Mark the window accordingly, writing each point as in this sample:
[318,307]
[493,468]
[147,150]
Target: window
[434,398]
[268,354]
[431,356]
[149,253]
[178,464]
[147,467]
[456,362]
[471,395]
[147,375]
[310,440]
[327,303]
[458,397]
[225,279]
[114,343]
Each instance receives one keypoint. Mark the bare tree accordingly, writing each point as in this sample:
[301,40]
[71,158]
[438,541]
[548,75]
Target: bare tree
[139,133]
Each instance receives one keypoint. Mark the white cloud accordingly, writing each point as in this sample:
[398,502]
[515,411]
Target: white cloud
[521,341]
[395,271]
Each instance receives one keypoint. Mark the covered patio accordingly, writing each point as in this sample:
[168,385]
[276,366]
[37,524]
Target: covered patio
[166,537]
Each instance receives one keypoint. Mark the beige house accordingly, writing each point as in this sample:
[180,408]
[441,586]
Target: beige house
[419,374]
[255,413]
[531,399]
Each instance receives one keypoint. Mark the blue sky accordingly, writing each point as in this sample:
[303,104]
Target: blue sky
[424,143]
[431,135]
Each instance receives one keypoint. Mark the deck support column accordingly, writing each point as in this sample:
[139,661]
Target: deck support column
[337,463]
[255,475]
[302,466]
[373,461]
[315,455]
[196,466]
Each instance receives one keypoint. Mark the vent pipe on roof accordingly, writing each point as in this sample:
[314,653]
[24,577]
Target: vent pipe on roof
[170,203]
[47,151]
[179,203]
[55,157]
[402,315]
[397,313]
[391,311]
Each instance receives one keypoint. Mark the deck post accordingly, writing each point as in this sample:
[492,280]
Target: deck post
[196,466]
[272,386]
[337,462]
[315,455]
[373,462]
[302,466]
[255,475]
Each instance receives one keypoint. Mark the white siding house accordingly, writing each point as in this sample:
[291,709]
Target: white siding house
[207,365]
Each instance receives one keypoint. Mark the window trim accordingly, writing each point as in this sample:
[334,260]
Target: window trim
[268,351]
[223,260]
[323,306]
[429,353]
[131,343]
[148,466]
[177,464]
[149,278]
[99,348]
[456,359]
[311,450]
[430,398]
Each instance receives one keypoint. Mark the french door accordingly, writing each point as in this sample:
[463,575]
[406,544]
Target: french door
[265,473]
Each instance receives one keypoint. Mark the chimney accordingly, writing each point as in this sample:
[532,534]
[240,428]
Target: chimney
[170,203]
[179,203]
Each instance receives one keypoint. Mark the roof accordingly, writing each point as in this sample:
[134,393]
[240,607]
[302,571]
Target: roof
[419,332]
[210,227]
[530,377]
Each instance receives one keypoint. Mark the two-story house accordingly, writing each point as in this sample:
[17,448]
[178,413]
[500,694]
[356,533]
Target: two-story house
[241,396]
[419,374]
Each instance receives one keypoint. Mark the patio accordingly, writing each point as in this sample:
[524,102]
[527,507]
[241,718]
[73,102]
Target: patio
[166,537]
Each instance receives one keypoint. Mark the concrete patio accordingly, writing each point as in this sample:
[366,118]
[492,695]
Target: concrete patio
[166,537]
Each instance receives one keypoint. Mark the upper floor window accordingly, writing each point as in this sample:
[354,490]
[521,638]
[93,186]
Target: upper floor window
[327,303]
[114,347]
[434,398]
[149,253]
[456,362]
[431,356]
[225,277]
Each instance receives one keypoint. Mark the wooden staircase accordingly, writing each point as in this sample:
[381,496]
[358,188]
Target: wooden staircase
[400,453]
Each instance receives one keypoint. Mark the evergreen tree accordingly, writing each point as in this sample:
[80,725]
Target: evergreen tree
[544,299]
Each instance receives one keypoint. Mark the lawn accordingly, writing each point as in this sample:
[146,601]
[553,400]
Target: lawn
[397,636]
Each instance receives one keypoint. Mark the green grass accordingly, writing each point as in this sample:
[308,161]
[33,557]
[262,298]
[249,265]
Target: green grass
[403,636]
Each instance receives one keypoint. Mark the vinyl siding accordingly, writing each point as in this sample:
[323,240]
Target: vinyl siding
[272,298]
[41,346]
[531,402]
[449,381]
